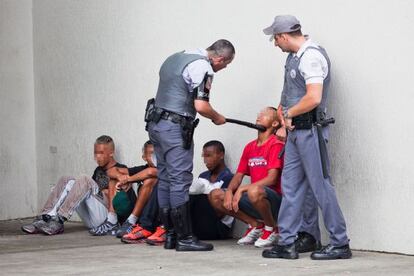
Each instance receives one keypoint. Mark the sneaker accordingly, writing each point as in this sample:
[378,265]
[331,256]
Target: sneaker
[158,237]
[251,235]
[33,228]
[268,238]
[137,235]
[52,227]
[125,228]
[104,229]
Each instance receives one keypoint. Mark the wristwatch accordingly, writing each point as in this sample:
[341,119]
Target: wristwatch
[286,114]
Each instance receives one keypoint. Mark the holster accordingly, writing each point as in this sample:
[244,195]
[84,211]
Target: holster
[187,129]
[152,113]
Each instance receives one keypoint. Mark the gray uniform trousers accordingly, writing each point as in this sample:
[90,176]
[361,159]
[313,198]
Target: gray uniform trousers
[301,178]
[310,219]
[174,163]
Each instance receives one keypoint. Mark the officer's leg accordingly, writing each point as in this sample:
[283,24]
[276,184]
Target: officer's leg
[290,214]
[294,191]
[323,189]
[179,164]
[310,219]
[157,132]
[309,235]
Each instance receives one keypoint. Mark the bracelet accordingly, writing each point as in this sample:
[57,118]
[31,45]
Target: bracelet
[286,114]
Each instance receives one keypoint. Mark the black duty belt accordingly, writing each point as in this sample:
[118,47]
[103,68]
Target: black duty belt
[305,120]
[173,117]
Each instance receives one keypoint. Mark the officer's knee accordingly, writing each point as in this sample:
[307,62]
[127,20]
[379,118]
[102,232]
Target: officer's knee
[256,193]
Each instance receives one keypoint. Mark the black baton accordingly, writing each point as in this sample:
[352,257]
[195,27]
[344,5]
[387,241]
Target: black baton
[320,123]
[247,124]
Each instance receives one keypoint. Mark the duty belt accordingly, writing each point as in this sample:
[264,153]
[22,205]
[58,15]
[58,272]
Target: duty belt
[305,120]
[173,117]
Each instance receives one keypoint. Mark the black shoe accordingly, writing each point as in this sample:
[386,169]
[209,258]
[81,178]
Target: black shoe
[331,252]
[170,237]
[281,251]
[181,219]
[306,243]
[191,243]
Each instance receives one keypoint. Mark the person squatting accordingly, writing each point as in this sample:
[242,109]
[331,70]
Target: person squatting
[159,203]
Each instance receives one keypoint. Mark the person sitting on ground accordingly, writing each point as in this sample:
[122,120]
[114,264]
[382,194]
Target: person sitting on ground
[256,204]
[143,222]
[208,223]
[88,196]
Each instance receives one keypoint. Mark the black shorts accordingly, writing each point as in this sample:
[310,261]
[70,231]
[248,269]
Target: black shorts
[271,195]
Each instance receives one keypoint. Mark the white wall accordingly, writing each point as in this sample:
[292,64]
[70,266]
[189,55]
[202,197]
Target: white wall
[17,125]
[96,64]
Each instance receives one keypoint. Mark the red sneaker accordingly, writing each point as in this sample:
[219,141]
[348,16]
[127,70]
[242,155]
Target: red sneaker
[137,235]
[158,237]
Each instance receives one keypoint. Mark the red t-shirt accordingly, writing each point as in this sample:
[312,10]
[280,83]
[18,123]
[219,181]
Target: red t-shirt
[257,160]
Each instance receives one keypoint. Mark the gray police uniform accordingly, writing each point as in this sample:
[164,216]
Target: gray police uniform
[303,184]
[176,98]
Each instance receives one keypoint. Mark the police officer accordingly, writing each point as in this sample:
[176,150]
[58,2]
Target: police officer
[183,91]
[305,177]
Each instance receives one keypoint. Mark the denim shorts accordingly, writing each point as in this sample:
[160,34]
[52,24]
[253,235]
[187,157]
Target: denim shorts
[271,195]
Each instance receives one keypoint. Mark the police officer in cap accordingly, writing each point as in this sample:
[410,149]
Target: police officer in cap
[185,80]
[305,177]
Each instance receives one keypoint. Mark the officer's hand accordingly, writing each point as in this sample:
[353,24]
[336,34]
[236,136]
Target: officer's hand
[220,120]
[236,199]
[288,124]
[281,134]
[228,199]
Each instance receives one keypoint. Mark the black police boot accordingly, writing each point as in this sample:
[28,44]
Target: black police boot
[281,251]
[331,252]
[306,243]
[171,237]
[182,224]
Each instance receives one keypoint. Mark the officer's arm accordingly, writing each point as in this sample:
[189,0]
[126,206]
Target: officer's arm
[235,182]
[270,179]
[308,102]
[142,175]
[206,110]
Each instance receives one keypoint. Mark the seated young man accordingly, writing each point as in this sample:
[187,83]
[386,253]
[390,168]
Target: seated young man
[208,223]
[143,221]
[256,204]
[88,196]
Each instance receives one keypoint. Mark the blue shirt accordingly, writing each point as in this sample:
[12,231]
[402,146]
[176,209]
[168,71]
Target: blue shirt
[225,175]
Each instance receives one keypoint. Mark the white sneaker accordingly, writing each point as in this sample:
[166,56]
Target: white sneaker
[268,238]
[251,235]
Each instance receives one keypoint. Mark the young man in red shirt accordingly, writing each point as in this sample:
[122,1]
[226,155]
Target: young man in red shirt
[256,204]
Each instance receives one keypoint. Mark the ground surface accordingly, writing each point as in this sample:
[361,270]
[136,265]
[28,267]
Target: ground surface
[77,253]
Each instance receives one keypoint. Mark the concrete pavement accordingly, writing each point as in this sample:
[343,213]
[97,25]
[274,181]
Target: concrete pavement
[77,253]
